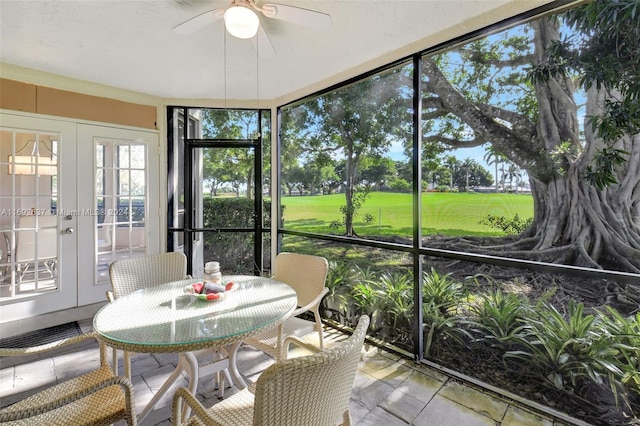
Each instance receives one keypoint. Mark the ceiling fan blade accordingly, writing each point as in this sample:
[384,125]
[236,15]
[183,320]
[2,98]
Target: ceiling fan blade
[297,15]
[263,43]
[198,22]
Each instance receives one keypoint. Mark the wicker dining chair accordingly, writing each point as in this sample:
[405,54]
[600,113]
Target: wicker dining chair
[311,390]
[95,398]
[129,275]
[307,274]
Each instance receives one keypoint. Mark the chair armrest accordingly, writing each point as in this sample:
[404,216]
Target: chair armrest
[25,413]
[299,342]
[183,394]
[315,302]
[49,346]
[110,296]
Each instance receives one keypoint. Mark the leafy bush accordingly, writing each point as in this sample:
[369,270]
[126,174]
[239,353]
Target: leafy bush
[396,305]
[399,185]
[340,280]
[567,351]
[441,297]
[441,291]
[513,226]
[501,317]
[441,329]
[625,336]
[234,250]
[336,225]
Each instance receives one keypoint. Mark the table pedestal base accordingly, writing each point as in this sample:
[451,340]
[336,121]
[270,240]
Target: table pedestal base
[187,362]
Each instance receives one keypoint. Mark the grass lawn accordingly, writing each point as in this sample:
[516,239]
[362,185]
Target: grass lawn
[442,213]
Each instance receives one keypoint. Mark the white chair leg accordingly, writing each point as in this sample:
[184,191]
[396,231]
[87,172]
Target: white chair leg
[316,313]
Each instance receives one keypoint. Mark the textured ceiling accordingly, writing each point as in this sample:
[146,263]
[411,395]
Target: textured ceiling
[130,44]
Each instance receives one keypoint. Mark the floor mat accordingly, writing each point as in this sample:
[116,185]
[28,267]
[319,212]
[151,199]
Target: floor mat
[41,337]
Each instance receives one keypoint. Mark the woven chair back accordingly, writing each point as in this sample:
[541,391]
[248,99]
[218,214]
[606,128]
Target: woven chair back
[129,275]
[305,273]
[312,390]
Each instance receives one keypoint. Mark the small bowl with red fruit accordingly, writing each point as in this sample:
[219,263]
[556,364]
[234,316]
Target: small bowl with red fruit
[209,291]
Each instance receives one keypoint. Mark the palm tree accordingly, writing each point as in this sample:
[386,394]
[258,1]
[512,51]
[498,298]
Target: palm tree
[491,156]
[451,162]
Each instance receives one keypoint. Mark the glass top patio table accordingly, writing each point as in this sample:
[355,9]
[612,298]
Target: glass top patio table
[164,318]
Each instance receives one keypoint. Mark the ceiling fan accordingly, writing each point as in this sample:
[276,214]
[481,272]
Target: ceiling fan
[241,20]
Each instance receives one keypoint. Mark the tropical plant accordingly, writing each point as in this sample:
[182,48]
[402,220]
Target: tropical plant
[441,329]
[625,334]
[397,303]
[366,298]
[501,317]
[567,351]
[341,277]
[441,291]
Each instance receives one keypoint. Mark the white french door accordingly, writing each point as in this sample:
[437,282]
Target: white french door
[37,181]
[119,195]
[73,198]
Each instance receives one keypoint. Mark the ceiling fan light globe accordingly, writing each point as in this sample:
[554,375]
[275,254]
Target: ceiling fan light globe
[241,22]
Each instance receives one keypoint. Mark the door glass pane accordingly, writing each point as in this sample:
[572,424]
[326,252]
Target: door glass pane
[121,200]
[226,195]
[234,251]
[28,221]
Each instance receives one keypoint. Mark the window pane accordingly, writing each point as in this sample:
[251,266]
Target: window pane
[345,160]
[120,226]
[234,251]
[137,182]
[123,157]
[137,157]
[224,124]
[123,182]
[28,220]
[365,281]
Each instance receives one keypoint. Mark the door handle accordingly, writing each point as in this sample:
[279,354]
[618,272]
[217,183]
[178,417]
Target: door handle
[68,231]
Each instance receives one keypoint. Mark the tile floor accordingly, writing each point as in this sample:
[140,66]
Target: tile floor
[388,390]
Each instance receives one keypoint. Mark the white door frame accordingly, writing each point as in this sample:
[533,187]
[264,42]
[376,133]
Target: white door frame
[66,294]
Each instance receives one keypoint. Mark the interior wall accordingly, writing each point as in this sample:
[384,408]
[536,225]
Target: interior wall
[20,96]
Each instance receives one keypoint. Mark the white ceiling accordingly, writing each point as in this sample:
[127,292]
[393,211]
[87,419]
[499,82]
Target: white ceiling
[130,44]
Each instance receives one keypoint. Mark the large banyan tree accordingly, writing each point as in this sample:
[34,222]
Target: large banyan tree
[525,93]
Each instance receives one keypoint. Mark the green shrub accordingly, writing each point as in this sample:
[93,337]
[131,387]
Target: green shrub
[396,305]
[341,277]
[441,291]
[441,297]
[234,250]
[441,329]
[567,351]
[513,226]
[501,317]
[625,336]
[399,185]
